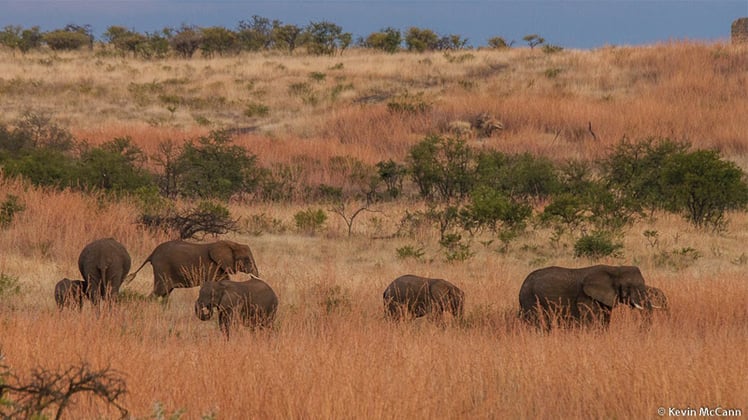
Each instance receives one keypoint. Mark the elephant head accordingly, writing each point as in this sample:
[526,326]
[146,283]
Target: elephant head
[612,285]
[446,297]
[233,257]
[210,295]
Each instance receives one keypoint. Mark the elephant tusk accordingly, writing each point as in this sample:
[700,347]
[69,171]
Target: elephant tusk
[637,306]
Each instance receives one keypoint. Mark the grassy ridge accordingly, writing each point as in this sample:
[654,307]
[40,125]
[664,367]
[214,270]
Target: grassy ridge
[332,354]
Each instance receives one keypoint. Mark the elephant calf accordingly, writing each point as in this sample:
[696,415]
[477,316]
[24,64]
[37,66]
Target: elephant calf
[252,302]
[416,296]
[69,293]
[657,298]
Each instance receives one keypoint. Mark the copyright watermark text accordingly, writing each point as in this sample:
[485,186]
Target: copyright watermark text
[716,411]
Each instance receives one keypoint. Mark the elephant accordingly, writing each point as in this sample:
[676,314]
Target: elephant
[657,298]
[69,293]
[577,296]
[252,302]
[103,263]
[416,296]
[184,264]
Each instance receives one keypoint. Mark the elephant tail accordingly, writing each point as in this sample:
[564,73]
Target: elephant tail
[130,277]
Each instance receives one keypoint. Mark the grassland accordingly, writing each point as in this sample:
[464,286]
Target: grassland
[332,355]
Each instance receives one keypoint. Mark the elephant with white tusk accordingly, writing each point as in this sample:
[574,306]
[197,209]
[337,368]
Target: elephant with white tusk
[581,295]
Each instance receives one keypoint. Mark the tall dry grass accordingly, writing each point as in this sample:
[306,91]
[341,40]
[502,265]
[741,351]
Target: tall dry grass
[332,355]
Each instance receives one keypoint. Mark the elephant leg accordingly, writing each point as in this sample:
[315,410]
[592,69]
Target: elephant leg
[225,319]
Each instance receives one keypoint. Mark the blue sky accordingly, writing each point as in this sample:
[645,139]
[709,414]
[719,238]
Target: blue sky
[567,23]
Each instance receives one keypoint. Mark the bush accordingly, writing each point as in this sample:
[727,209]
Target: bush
[703,187]
[113,167]
[67,39]
[442,168]
[9,285]
[310,221]
[8,210]
[214,168]
[596,245]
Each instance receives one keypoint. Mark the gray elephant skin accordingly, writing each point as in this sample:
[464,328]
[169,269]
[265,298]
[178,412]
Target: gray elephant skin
[577,296]
[415,296]
[103,263]
[253,303]
[69,293]
[185,264]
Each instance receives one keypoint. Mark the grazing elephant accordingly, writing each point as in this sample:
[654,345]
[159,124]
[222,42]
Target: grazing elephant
[103,263]
[418,296]
[185,264]
[69,293]
[657,298]
[580,295]
[252,302]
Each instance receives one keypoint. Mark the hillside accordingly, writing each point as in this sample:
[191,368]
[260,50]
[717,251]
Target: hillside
[332,354]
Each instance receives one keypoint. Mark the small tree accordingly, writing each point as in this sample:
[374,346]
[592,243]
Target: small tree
[217,40]
[498,43]
[388,40]
[186,41]
[214,168]
[326,38]
[442,168]
[533,40]
[704,187]
[420,40]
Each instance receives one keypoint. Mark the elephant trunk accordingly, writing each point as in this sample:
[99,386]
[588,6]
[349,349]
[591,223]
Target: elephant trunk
[203,312]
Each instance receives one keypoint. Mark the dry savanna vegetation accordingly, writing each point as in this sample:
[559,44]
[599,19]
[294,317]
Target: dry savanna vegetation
[331,353]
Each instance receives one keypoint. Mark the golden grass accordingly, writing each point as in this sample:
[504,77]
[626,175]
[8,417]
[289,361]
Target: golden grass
[351,363]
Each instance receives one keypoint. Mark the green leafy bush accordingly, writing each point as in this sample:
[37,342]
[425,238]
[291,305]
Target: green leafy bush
[703,187]
[442,168]
[310,221]
[9,208]
[214,168]
[597,244]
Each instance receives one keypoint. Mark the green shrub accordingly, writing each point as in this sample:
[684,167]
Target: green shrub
[409,251]
[455,249]
[409,104]
[9,208]
[442,168]
[214,168]
[597,244]
[703,187]
[677,259]
[310,221]
[256,110]
[9,285]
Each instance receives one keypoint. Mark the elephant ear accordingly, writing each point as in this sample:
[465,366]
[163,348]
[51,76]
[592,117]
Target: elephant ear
[599,286]
[222,254]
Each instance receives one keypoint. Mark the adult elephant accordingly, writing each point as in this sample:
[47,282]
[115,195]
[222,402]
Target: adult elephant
[417,296]
[581,295]
[253,303]
[103,263]
[185,264]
